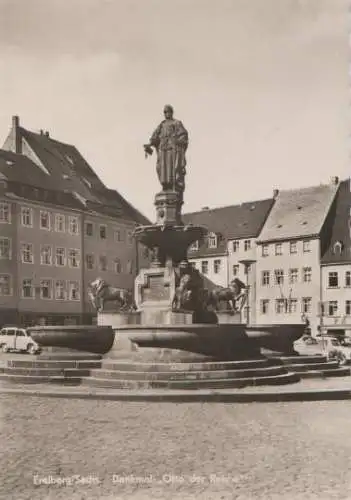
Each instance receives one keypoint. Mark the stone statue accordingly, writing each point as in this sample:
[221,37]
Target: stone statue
[170,140]
[188,292]
[233,296]
[100,292]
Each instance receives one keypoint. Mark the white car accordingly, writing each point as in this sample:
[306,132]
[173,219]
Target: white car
[324,345]
[13,338]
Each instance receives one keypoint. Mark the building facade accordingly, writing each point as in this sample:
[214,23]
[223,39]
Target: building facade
[335,307]
[60,228]
[289,250]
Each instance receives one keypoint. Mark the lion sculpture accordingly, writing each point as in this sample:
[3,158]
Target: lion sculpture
[233,296]
[100,292]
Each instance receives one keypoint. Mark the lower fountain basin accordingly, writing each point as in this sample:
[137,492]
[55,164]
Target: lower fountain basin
[87,338]
[224,341]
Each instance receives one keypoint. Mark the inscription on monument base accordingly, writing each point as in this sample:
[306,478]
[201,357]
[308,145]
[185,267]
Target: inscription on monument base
[155,289]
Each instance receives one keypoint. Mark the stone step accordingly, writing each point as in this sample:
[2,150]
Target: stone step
[78,356]
[48,372]
[285,378]
[334,372]
[186,367]
[27,379]
[21,363]
[302,359]
[188,375]
[328,365]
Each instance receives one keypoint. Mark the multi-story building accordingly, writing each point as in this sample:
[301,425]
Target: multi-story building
[290,246]
[335,310]
[231,240]
[60,229]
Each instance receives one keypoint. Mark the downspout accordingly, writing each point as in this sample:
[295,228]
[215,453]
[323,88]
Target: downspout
[82,261]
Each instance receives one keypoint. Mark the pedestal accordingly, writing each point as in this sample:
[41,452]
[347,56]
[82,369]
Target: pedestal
[168,208]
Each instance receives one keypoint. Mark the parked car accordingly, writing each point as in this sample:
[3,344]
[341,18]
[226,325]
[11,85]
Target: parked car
[324,345]
[17,339]
[335,349]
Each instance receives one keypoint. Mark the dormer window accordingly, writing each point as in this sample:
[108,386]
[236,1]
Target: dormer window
[212,240]
[337,247]
[194,246]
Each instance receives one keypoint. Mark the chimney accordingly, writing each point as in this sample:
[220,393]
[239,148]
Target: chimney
[334,180]
[17,139]
[41,131]
[275,193]
[47,133]
[205,208]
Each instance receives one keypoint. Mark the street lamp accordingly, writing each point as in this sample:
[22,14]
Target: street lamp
[247,264]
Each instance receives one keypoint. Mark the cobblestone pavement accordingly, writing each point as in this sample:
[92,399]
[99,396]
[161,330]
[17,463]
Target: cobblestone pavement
[112,450]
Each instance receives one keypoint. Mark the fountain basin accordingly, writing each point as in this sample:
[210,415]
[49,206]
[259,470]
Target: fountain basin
[87,338]
[225,341]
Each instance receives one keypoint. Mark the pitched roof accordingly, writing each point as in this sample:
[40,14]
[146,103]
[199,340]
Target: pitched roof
[299,213]
[231,222]
[338,248]
[19,168]
[69,171]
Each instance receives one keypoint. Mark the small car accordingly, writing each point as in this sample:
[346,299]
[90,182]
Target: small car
[335,349]
[17,339]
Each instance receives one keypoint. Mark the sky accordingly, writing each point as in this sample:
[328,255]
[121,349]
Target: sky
[261,86]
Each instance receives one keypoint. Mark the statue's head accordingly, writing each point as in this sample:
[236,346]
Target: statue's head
[168,111]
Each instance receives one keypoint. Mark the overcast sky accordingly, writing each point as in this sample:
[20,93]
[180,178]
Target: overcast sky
[261,86]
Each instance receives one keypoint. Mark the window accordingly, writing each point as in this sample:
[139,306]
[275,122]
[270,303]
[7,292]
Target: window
[27,288]
[103,230]
[117,235]
[60,223]
[217,266]
[74,292]
[130,267]
[60,290]
[60,256]
[278,248]
[348,307]
[333,280]
[89,261]
[306,246]
[333,307]
[348,278]
[103,263]
[265,278]
[247,245]
[5,285]
[279,276]
[27,217]
[89,229]
[5,248]
[46,255]
[265,248]
[280,306]
[292,306]
[73,257]
[235,269]
[212,240]
[130,237]
[73,227]
[5,213]
[307,274]
[27,253]
[264,306]
[117,266]
[293,275]
[306,305]
[236,245]
[204,266]
[44,220]
[194,246]
[45,289]
[293,247]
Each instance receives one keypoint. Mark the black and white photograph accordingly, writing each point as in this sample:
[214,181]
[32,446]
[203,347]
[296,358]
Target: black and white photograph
[175,249]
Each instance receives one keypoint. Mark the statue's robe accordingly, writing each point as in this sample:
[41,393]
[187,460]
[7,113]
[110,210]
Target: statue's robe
[171,141]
